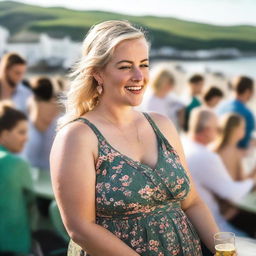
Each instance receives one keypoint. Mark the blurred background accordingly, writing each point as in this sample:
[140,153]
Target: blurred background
[200,50]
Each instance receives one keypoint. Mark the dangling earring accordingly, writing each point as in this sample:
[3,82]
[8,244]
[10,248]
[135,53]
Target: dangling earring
[99,89]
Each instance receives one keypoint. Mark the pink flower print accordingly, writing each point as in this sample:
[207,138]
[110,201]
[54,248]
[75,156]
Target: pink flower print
[125,184]
[180,181]
[134,243]
[177,187]
[160,254]
[98,200]
[127,193]
[161,226]
[118,234]
[117,167]
[181,194]
[113,176]
[104,172]
[107,185]
[153,242]
[124,178]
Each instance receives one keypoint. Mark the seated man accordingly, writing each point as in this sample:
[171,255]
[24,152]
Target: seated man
[207,169]
[12,70]
[196,85]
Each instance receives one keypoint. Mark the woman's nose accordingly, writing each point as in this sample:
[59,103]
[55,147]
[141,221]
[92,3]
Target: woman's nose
[137,75]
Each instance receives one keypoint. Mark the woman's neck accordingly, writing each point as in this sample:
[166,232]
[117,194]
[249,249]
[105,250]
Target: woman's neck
[120,116]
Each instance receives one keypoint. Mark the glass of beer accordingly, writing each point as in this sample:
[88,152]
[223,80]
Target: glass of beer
[225,244]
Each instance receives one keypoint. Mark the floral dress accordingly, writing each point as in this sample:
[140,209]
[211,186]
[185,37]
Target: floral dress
[140,204]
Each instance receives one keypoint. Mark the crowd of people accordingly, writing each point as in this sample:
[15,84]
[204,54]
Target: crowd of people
[216,131]
[217,134]
[28,117]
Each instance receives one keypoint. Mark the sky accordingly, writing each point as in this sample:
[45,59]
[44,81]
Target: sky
[220,12]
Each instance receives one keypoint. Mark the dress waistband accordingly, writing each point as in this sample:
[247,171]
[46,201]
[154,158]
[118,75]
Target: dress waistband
[143,212]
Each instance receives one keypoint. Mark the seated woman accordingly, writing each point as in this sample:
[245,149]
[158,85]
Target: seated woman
[232,130]
[15,183]
[43,113]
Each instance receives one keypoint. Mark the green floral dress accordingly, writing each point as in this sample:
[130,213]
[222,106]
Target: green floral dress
[140,204]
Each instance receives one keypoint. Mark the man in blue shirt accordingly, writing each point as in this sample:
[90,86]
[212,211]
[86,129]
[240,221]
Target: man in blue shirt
[243,87]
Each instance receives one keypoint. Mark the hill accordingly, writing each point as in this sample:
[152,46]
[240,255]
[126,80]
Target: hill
[23,19]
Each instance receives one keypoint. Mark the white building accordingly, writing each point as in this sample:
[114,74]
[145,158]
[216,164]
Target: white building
[56,52]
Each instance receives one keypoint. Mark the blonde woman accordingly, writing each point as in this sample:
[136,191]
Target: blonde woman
[119,176]
[162,100]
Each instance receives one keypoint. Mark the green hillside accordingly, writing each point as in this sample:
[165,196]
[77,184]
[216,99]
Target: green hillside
[163,31]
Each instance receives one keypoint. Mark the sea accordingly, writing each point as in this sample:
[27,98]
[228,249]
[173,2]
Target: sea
[230,67]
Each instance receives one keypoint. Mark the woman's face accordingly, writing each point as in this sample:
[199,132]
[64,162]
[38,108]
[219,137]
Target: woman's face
[126,75]
[15,139]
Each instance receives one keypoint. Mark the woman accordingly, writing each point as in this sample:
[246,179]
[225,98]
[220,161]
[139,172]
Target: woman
[129,203]
[232,130]
[43,112]
[161,101]
[15,183]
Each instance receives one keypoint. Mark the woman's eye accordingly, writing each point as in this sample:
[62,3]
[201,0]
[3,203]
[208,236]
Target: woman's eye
[125,67]
[144,65]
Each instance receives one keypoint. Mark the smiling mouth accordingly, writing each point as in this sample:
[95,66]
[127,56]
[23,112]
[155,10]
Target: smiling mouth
[134,89]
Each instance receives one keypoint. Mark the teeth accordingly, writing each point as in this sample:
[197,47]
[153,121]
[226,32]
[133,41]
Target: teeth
[134,88]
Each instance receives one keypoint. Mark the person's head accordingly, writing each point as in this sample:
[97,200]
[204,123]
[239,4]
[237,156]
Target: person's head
[203,125]
[231,130]
[43,89]
[113,69]
[12,69]
[13,127]
[162,82]
[213,96]
[243,87]
[196,84]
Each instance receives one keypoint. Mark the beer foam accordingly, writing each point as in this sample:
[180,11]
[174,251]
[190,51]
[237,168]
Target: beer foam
[225,247]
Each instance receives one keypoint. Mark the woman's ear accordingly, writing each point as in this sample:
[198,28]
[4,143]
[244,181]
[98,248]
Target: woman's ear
[97,76]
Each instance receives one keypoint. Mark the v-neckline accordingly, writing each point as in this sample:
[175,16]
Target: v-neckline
[139,163]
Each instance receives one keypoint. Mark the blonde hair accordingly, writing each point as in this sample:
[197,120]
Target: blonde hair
[97,50]
[160,77]
[228,124]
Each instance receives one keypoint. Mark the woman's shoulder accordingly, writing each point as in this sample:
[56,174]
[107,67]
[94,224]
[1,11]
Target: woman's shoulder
[76,133]
[166,127]
[163,122]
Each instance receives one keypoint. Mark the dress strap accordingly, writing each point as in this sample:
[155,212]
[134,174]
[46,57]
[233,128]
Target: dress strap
[153,124]
[92,126]
[157,130]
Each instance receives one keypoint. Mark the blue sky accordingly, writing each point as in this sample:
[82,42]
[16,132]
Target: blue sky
[222,12]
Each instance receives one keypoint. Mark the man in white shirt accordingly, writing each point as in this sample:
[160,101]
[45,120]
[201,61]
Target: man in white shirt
[12,71]
[208,171]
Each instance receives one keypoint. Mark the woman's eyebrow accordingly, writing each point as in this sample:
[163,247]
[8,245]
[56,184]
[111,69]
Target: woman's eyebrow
[131,62]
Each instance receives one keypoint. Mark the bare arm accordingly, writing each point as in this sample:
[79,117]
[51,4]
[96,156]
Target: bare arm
[72,162]
[193,206]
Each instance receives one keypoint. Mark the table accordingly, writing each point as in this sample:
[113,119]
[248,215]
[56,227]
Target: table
[248,203]
[245,246]
[42,183]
